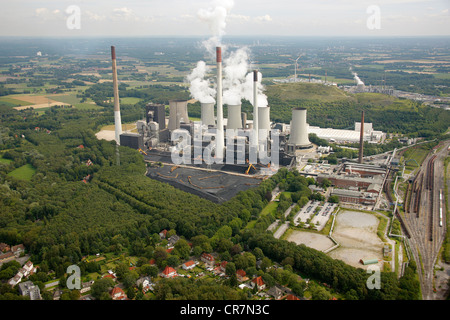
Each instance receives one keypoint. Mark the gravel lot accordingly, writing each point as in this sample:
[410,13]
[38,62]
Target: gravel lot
[356,232]
[312,240]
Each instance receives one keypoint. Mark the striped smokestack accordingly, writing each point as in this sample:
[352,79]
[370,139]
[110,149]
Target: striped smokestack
[361,139]
[117,119]
[255,108]
[220,134]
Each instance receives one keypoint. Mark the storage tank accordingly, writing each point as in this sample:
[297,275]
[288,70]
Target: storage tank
[178,113]
[234,117]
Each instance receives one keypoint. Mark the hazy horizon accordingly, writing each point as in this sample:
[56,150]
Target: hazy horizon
[176,18]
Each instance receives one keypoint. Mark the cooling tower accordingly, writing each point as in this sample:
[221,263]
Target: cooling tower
[263,122]
[234,117]
[117,119]
[299,130]
[208,114]
[178,113]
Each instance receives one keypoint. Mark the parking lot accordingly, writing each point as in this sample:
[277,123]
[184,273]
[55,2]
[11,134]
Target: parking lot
[319,218]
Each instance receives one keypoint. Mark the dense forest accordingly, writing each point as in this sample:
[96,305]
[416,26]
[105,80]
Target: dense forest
[60,218]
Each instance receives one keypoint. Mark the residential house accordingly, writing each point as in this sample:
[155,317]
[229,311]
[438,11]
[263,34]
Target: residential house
[18,250]
[241,275]
[29,268]
[208,259]
[15,280]
[152,262]
[169,272]
[146,282]
[170,250]
[223,266]
[28,288]
[173,239]
[291,297]
[4,247]
[162,234]
[188,265]
[118,294]
[86,286]
[259,283]
[111,276]
[275,292]
[57,294]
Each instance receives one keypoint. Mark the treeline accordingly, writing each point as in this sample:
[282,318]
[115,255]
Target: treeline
[404,116]
[102,93]
[350,281]
[59,218]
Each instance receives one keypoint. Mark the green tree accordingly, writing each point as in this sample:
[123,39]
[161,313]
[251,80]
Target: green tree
[101,287]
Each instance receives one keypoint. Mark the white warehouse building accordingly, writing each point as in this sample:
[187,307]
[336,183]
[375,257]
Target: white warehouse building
[341,135]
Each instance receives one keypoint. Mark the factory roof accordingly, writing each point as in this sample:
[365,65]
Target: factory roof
[376,179]
[352,193]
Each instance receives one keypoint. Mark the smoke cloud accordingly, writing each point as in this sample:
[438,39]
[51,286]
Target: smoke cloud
[201,89]
[357,79]
[238,81]
[235,71]
[215,16]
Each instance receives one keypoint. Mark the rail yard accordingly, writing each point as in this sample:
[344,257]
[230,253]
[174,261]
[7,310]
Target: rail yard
[422,219]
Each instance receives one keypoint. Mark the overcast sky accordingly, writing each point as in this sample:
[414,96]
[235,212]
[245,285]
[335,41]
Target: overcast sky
[243,17]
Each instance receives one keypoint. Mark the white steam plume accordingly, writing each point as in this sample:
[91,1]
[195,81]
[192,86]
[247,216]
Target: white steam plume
[235,70]
[215,16]
[201,89]
[248,90]
[357,79]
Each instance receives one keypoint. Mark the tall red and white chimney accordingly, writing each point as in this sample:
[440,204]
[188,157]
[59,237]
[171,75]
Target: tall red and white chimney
[117,119]
[255,108]
[220,137]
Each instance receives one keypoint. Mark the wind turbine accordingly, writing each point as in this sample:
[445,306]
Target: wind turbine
[296,66]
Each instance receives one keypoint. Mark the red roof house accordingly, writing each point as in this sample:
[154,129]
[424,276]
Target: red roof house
[118,294]
[258,281]
[169,272]
[207,258]
[188,265]
[241,275]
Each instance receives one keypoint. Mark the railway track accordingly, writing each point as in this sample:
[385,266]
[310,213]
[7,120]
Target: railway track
[421,217]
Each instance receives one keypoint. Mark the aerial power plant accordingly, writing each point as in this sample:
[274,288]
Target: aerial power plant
[239,150]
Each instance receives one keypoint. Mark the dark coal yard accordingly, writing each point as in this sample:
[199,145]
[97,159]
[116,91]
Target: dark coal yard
[217,182]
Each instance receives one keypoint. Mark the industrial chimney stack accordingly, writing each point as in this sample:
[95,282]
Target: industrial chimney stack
[220,138]
[117,119]
[255,108]
[361,139]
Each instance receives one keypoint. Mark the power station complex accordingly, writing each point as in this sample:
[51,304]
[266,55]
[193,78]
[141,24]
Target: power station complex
[220,156]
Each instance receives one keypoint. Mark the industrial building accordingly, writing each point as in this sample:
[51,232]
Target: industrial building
[364,170]
[220,180]
[346,181]
[354,196]
[348,136]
